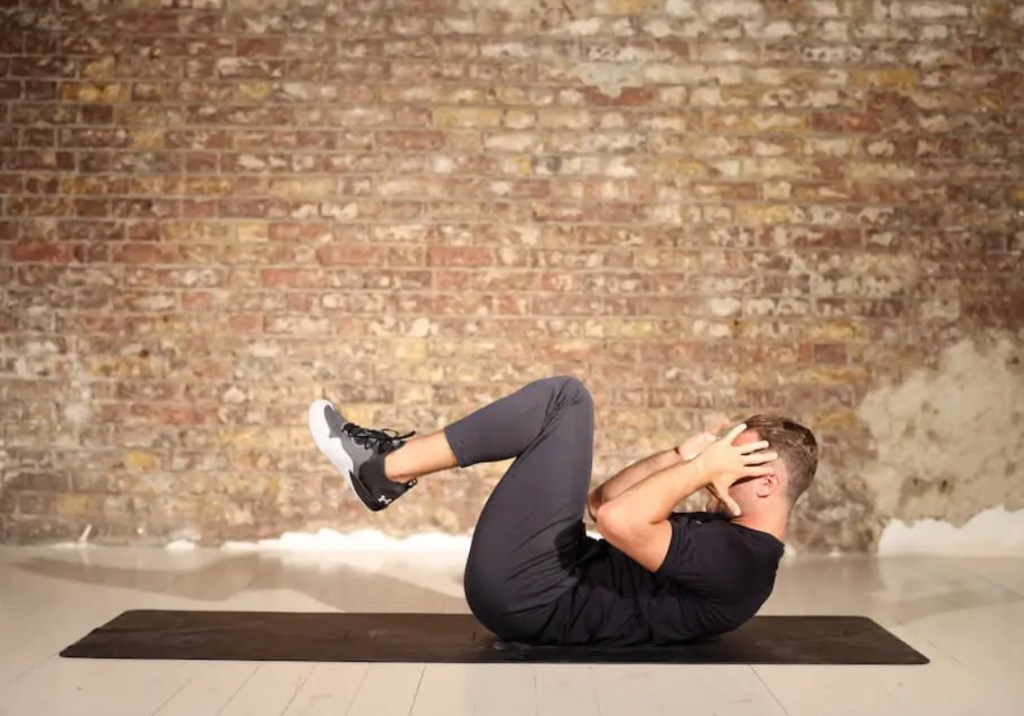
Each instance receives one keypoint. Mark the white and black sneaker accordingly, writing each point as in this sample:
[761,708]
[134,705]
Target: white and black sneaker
[358,454]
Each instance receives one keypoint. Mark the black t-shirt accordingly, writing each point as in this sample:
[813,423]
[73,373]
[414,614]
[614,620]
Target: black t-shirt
[715,576]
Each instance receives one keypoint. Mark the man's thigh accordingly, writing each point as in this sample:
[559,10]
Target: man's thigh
[527,539]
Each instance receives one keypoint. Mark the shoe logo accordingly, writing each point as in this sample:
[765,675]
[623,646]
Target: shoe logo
[384,500]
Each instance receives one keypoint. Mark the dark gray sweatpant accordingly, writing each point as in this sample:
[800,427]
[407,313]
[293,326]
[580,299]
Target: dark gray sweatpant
[528,536]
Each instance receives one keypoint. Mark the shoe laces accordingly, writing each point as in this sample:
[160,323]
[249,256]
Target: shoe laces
[384,440]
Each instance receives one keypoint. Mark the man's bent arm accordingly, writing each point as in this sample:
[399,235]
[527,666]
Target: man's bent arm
[636,521]
[629,476]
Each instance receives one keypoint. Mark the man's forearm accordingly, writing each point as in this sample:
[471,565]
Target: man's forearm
[629,476]
[653,498]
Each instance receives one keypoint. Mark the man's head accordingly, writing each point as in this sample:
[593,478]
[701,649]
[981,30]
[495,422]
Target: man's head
[796,446]
[797,463]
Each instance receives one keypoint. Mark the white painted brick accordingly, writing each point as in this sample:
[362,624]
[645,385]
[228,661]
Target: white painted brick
[715,10]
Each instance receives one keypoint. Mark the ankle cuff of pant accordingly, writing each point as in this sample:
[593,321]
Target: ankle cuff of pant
[457,445]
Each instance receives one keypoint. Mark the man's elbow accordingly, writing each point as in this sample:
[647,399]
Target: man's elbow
[613,521]
[643,541]
[594,503]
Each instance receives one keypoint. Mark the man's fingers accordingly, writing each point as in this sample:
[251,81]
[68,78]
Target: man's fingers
[758,471]
[734,433]
[734,509]
[718,424]
[759,458]
[711,502]
[721,491]
[700,443]
[753,447]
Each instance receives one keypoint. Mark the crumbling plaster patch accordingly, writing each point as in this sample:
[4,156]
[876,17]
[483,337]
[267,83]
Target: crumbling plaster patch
[948,441]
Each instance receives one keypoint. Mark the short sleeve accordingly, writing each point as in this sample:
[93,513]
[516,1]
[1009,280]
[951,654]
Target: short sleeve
[699,556]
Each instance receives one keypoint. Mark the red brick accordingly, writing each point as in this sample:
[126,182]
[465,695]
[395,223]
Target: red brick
[243,208]
[147,22]
[197,301]
[177,415]
[342,255]
[845,122]
[245,322]
[827,353]
[96,114]
[410,139]
[198,139]
[86,253]
[303,232]
[291,278]
[142,230]
[38,160]
[198,208]
[461,304]
[247,46]
[12,43]
[40,90]
[627,96]
[459,256]
[11,90]
[9,230]
[301,302]
[40,253]
[43,66]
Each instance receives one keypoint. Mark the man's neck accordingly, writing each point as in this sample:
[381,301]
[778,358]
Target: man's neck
[771,521]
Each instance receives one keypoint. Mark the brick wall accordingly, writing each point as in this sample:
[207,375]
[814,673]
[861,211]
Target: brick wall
[214,211]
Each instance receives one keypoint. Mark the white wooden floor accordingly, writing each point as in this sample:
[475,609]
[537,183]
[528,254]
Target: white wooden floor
[967,615]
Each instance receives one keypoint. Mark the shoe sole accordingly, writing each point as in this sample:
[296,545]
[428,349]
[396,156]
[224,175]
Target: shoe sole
[329,446]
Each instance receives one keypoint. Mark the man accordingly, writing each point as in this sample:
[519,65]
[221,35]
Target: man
[657,577]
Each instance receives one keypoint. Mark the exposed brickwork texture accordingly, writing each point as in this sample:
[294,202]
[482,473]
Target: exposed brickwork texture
[215,211]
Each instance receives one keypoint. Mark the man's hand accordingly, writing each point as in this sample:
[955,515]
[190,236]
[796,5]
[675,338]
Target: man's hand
[722,464]
[713,504]
[696,444]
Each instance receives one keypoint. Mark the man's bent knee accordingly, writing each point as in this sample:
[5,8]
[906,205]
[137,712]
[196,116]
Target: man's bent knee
[575,390]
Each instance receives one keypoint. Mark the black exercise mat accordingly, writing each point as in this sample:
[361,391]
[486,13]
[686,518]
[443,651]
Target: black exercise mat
[316,636]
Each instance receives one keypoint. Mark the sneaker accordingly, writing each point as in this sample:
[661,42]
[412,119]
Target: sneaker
[352,450]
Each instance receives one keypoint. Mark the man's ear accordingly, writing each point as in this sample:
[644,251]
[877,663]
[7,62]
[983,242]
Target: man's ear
[767,484]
